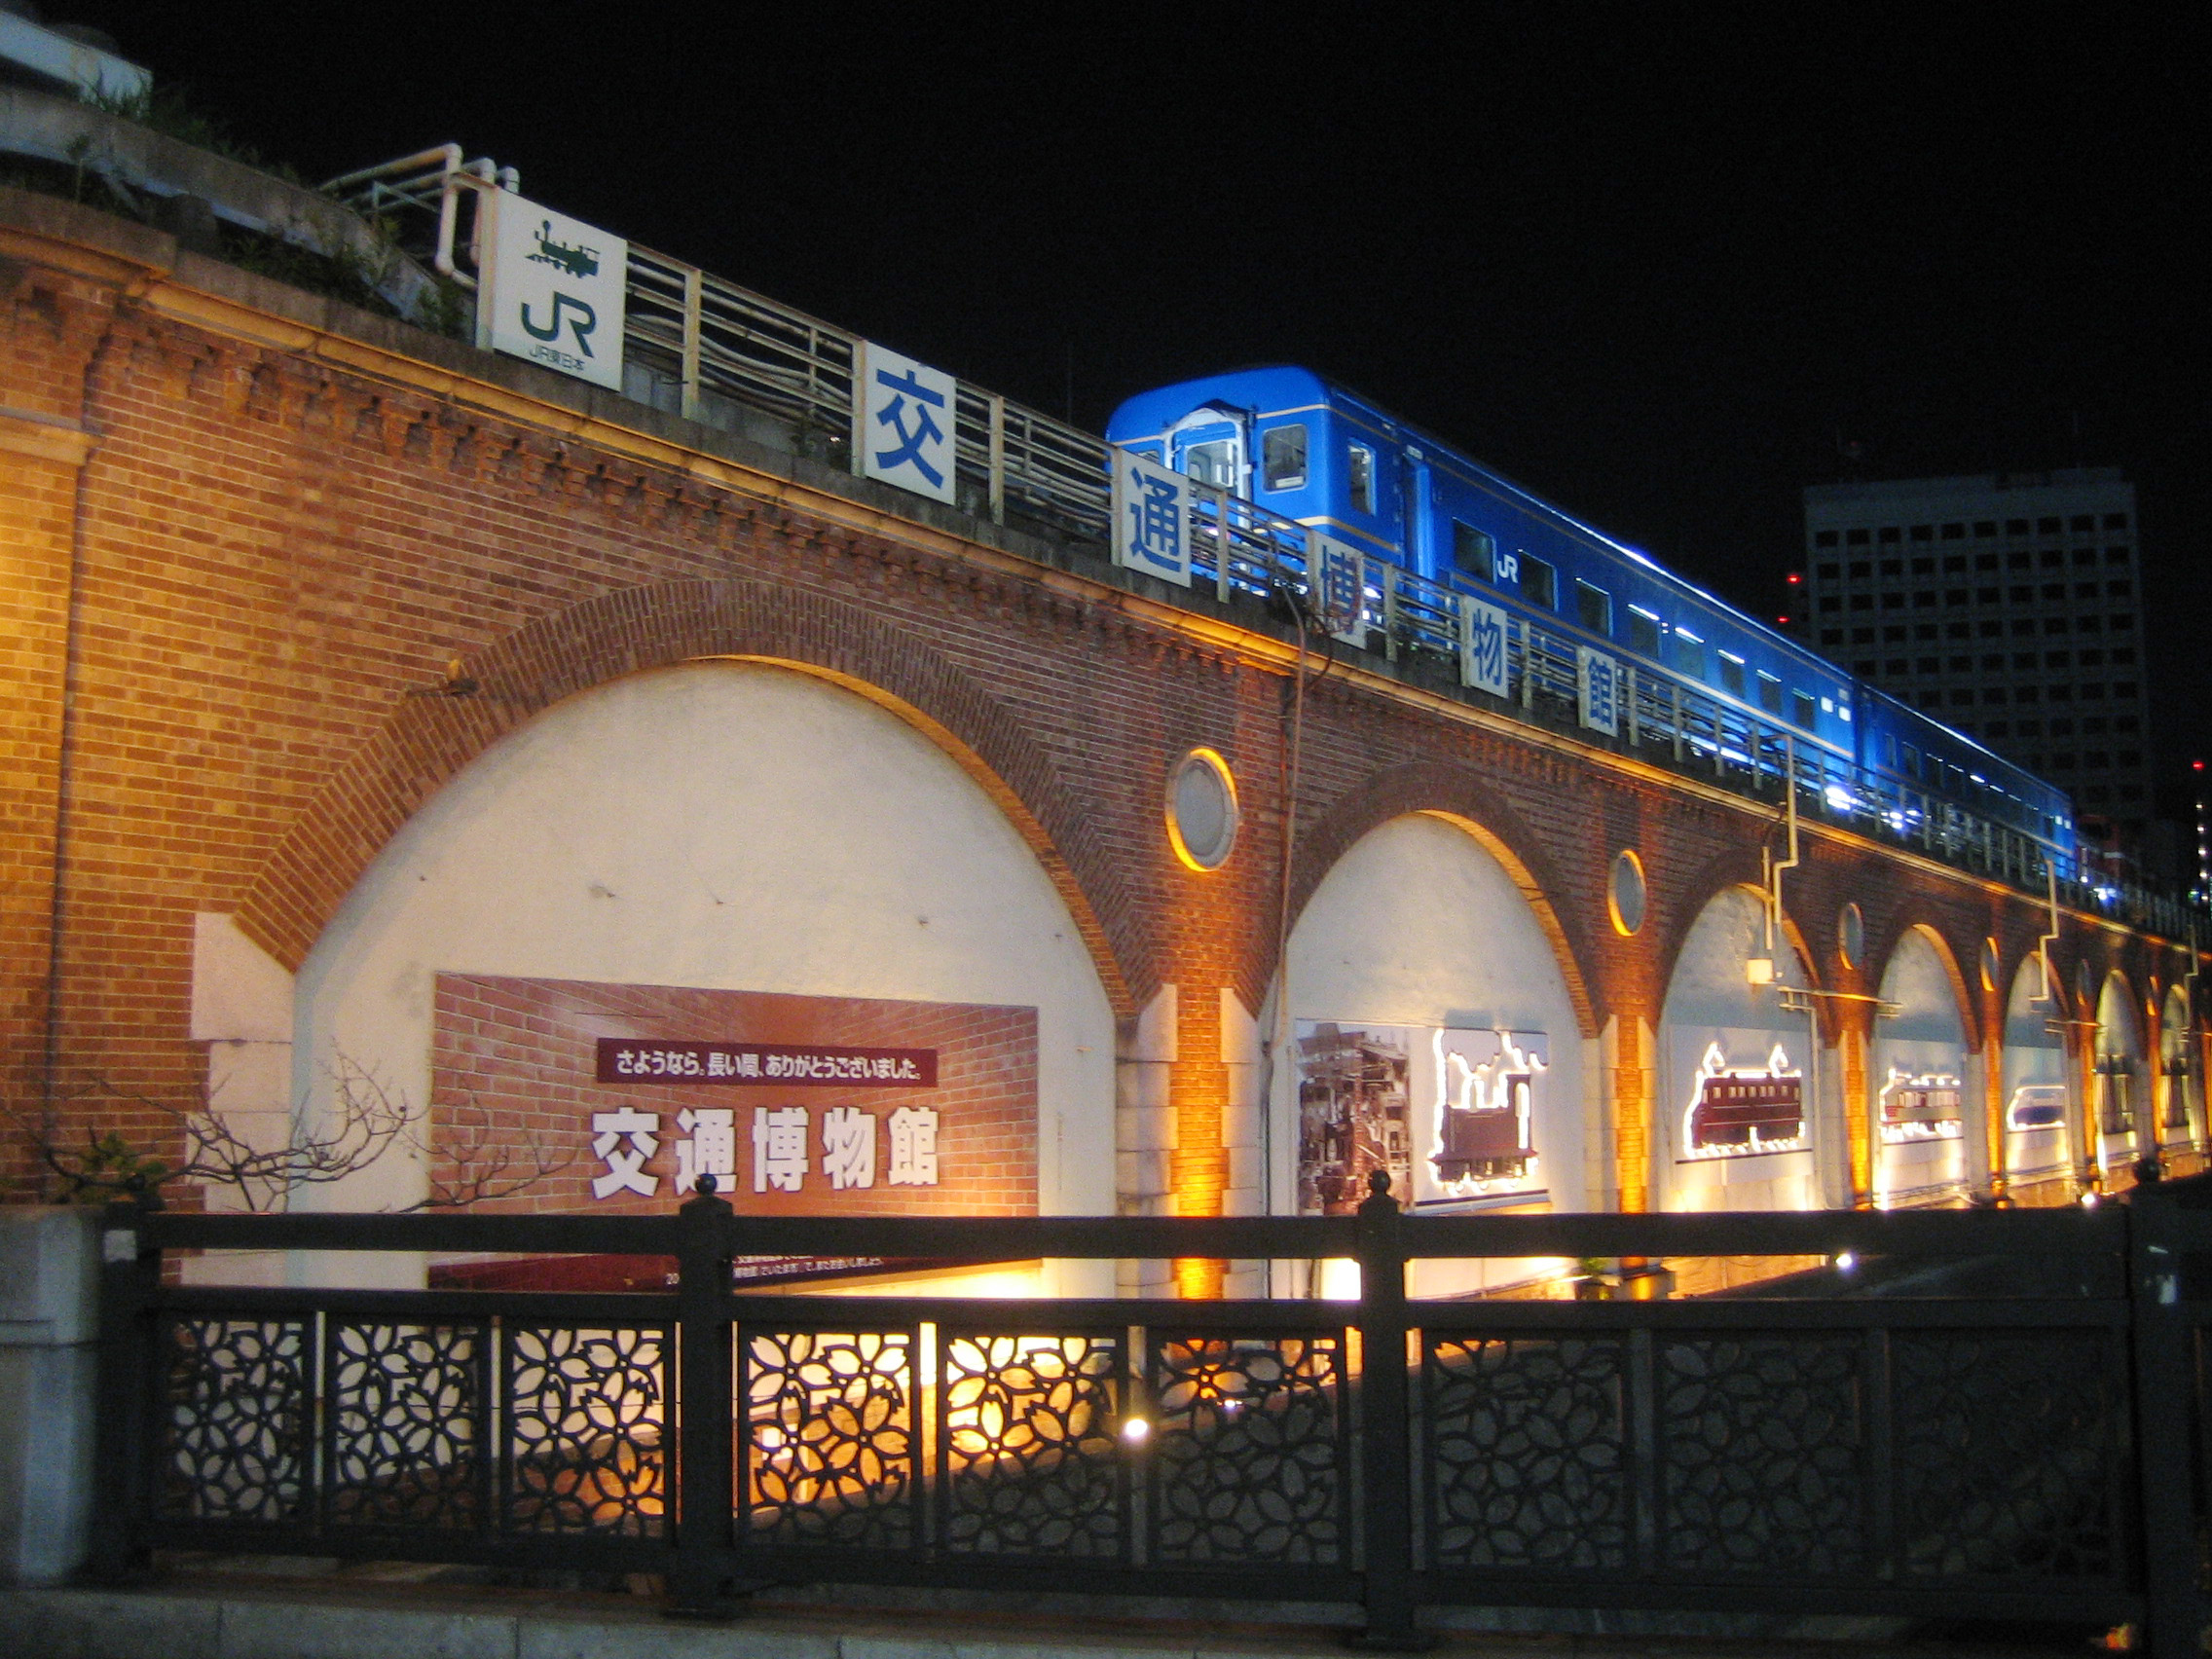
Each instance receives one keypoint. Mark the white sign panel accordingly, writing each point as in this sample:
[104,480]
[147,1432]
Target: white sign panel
[1340,588]
[552,289]
[1152,519]
[1482,647]
[1598,690]
[903,423]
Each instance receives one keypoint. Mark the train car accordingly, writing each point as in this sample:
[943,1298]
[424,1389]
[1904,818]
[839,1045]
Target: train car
[1306,449]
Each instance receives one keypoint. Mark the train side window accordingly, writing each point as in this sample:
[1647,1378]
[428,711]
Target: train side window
[1643,630]
[1283,458]
[1359,476]
[1732,675]
[1685,653]
[1770,694]
[1474,552]
[1540,582]
[1805,709]
[1594,607]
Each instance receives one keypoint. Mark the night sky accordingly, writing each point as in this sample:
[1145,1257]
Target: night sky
[1664,264]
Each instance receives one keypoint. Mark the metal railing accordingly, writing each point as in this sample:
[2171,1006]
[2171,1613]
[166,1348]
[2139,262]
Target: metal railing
[2031,1454]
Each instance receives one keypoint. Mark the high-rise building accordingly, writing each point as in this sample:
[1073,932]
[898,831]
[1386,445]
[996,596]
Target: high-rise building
[2008,605]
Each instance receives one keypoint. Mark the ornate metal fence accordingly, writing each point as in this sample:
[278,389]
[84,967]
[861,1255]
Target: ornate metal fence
[2034,1454]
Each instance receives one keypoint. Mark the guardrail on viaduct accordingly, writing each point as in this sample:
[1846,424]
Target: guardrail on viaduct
[1948,1446]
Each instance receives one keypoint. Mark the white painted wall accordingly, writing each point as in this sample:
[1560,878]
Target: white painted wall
[2035,1058]
[1927,1036]
[1418,925]
[728,825]
[1710,1001]
[2119,1036]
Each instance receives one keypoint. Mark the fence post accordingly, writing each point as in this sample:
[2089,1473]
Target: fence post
[704,1468]
[2167,1397]
[1385,1452]
[131,1275]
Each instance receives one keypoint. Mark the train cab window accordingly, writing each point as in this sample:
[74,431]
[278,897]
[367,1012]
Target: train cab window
[1593,608]
[1359,476]
[1540,582]
[1473,552]
[1685,653]
[1643,630]
[1732,675]
[1770,694]
[1213,464]
[1283,458]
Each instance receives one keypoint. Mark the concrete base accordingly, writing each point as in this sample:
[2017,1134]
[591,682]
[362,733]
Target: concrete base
[49,1309]
[348,1616]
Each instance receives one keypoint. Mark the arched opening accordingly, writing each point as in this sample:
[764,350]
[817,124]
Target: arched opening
[1740,1120]
[2121,1111]
[1922,1114]
[1433,1035]
[2181,1118]
[707,852]
[2040,1114]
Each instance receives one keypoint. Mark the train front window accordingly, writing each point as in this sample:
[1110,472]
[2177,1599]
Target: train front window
[1359,478]
[1213,464]
[1593,608]
[1282,458]
[1473,552]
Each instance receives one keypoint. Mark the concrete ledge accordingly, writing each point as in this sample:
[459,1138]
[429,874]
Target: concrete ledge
[206,1619]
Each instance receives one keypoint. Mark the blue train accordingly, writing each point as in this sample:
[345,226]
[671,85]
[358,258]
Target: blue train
[1298,446]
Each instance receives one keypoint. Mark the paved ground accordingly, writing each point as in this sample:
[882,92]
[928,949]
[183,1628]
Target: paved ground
[392,1613]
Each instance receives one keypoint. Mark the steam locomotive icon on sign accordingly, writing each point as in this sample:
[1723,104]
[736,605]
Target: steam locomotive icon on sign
[1486,1084]
[1737,1111]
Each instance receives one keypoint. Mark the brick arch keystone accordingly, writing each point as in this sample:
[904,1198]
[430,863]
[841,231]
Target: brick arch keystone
[1459,796]
[427,740]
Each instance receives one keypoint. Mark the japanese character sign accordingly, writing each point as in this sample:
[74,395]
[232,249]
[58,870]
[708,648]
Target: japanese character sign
[712,1149]
[848,1146]
[1152,519]
[1482,647]
[552,289]
[913,1147]
[1598,690]
[779,1148]
[903,422]
[625,1138]
[1340,588]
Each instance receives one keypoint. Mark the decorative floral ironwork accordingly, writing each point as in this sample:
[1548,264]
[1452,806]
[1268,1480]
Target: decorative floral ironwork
[1026,1454]
[1248,1448]
[1760,1443]
[405,1421]
[587,1427]
[2005,1454]
[235,1411]
[829,1437]
[1527,1452]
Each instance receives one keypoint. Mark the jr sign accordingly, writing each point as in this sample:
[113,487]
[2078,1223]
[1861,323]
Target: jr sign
[551,289]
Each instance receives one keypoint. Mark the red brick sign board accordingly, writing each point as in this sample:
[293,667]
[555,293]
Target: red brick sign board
[797,1105]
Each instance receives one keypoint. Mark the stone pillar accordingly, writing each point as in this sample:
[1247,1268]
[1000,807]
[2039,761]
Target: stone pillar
[1145,1129]
[1243,1134]
[48,1358]
[1859,1114]
[1627,1082]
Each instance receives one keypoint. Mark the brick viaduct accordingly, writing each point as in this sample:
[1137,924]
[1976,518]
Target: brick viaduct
[245,531]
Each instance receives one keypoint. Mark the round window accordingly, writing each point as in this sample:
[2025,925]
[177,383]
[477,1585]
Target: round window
[1851,936]
[1201,810]
[1627,894]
